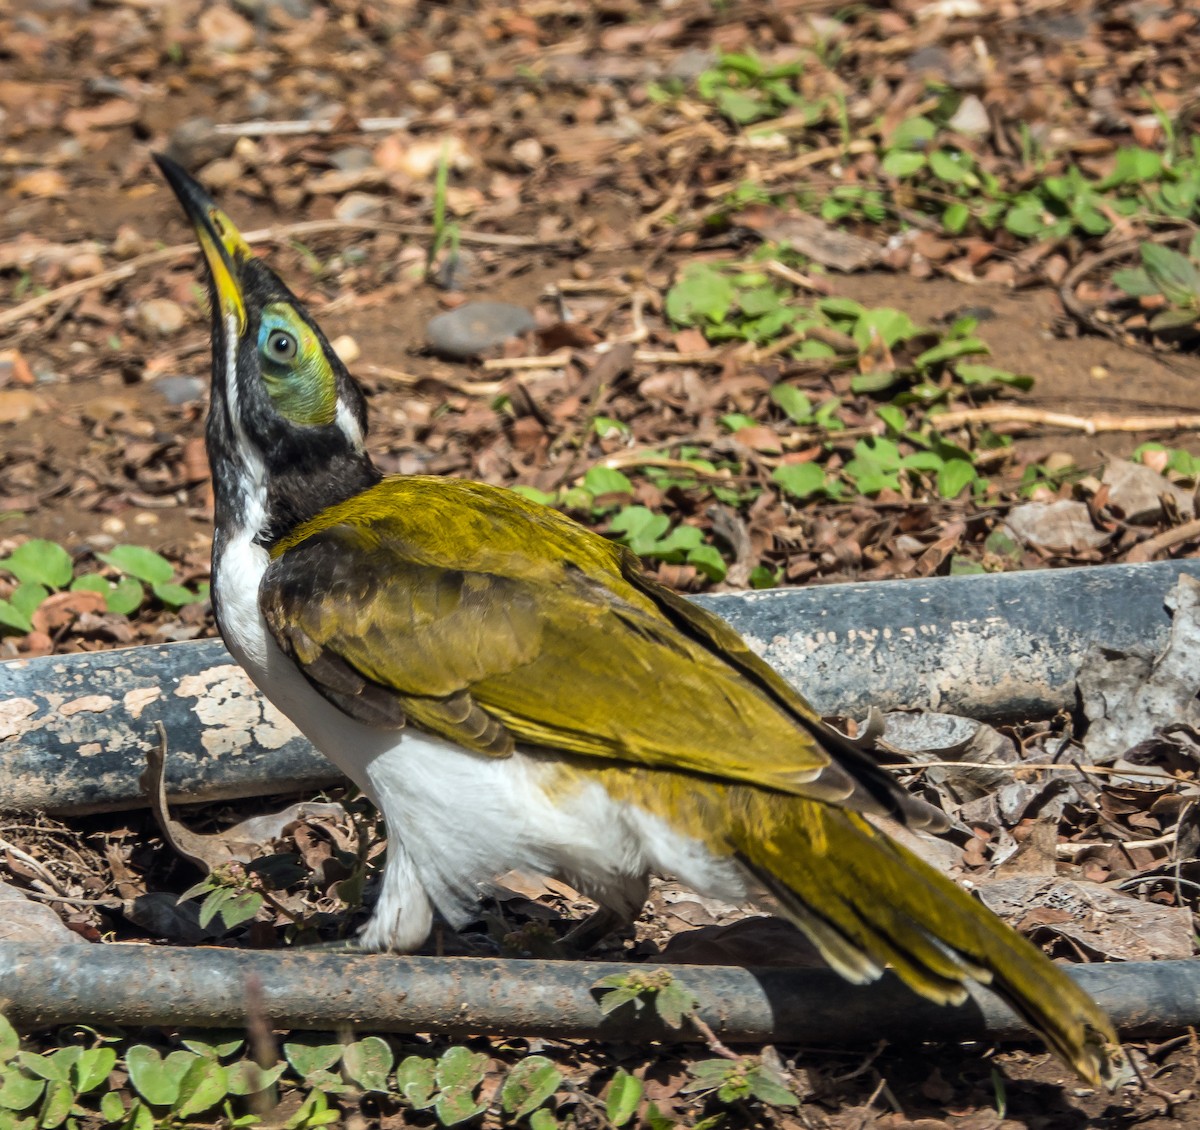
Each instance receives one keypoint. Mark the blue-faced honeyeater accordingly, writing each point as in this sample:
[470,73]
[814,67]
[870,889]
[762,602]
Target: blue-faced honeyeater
[513,692]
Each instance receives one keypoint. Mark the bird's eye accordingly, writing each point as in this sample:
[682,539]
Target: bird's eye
[280,346]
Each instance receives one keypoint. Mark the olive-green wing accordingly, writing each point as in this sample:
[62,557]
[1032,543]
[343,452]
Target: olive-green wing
[543,634]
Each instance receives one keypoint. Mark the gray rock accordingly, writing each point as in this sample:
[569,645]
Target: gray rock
[476,327]
[194,143]
[1063,525]
[1138,491]
[179,390]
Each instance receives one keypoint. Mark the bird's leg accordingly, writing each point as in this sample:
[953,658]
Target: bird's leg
[615,911]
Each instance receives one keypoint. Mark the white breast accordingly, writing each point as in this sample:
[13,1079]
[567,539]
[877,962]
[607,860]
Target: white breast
[457,819]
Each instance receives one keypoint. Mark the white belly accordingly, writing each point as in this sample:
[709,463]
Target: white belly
[458,819]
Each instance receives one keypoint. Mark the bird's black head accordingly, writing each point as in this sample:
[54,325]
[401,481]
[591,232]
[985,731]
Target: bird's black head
[286,421]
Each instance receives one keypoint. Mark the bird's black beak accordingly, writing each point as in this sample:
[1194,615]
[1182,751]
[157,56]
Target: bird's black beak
[222,243]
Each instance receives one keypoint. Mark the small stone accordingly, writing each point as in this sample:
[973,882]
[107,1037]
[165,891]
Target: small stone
[162,316]
[438,66]
[1058,461]
[358,206]
[114,527]
[1099,373]
[145,518]
[971,118]
[179,390]
[195,142]
[476,327]
[14,369]
[423,93]
[581,270]
[224,30]
[129,242]
[352,158]
[527,152]
[346,348]
[222,173]
[84,265]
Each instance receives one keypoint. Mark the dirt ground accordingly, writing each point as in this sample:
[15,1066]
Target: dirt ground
[585,174]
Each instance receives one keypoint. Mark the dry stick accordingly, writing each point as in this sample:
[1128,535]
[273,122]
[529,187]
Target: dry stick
[30,861]
[1075,848]
[1091,425]
[1098,770]
[277,234]
[1168,539]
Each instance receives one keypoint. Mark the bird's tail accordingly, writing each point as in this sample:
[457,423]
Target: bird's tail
[867,902]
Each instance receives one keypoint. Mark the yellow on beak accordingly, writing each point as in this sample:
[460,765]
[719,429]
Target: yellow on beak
[222,244]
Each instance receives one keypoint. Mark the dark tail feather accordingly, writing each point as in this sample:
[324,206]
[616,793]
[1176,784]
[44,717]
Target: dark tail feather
[868,902]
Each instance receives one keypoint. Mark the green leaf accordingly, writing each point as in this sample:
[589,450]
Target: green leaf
[794,402]
[174,595]
[801,480]
[1175,274]
[245,1077]
[156,1079]
[214,1047]
[92,1068]
[112,1109]
[736,421]
[41,562]
[19,1091]
[901,164]
[308,1057]
[974,374]
[460,1067]
[91,582]
[203,1085]
[55,1067]
[11,617]
[762,577]
[1136,282]
[529,1084]
[27,596]
[913,133]
[955,218]
[1026,220]
[543,1119]
[10,1042]
[885,324]
[239,908]
[708,560]
[624,1095]
[415,1080]
[56,1104]
[367,1062]
[212,905]
[673,1002]
[602,480]
[954,476]
[950,165]
[893,417]
[700,295]
[457,1104]
[534,495]
[139,562]
[878,381]
[768,1088]
[949,349]
[126,596]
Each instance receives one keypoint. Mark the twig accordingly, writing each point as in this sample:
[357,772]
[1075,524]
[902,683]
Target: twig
[400,376]
[1168,539]
[1098,770]
[1075,848]
[111,903]
[711,1039]
[788,274]
[1091,425]
[323,125]
[548,361]
[29,861]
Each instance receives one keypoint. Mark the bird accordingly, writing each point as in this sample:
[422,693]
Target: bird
[513,692]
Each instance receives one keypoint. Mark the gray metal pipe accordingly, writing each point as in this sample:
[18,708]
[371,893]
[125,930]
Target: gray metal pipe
[74,728]
[145,985]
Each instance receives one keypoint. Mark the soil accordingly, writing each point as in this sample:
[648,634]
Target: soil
[92,453]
